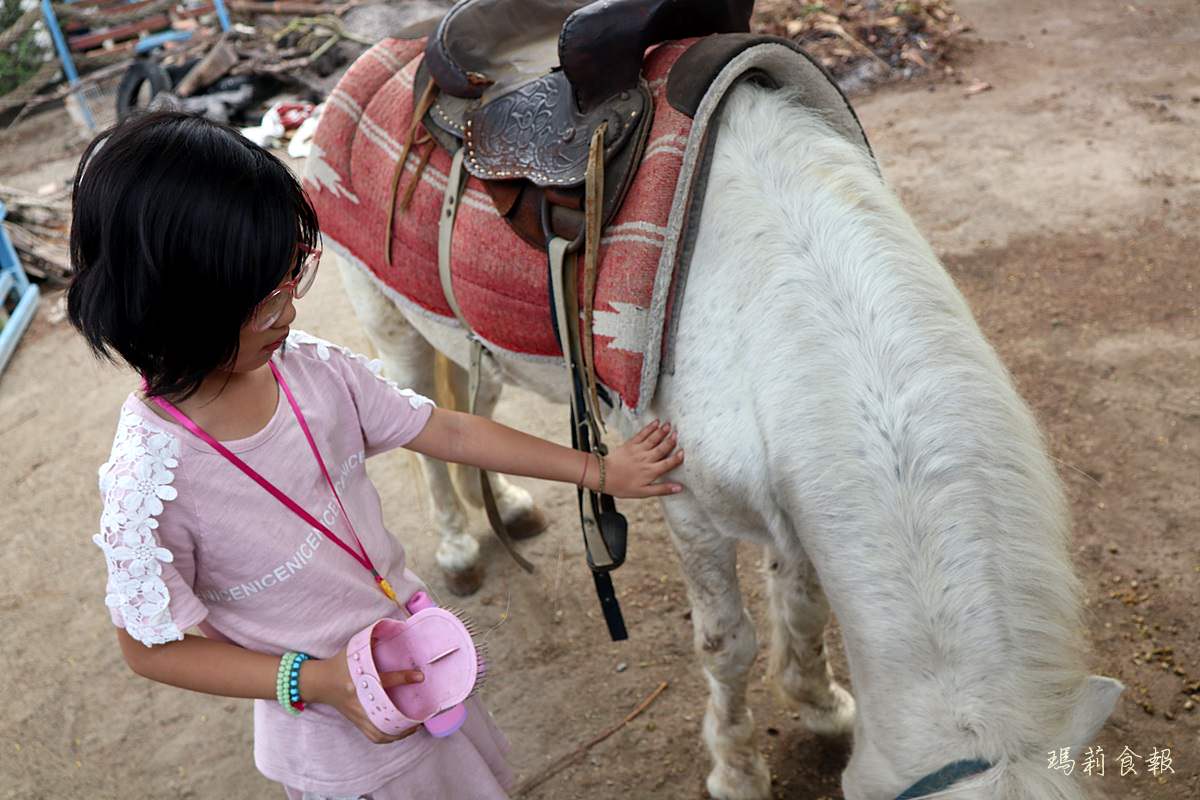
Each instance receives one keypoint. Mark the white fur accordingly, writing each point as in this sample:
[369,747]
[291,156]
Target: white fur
[839,405]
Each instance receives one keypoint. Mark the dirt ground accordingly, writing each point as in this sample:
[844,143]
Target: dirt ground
[1063,200]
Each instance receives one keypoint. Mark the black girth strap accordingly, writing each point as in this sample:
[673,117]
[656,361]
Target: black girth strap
[612,529]
[604,529]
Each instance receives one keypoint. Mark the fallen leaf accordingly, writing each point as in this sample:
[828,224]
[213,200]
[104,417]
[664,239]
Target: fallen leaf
[976,87]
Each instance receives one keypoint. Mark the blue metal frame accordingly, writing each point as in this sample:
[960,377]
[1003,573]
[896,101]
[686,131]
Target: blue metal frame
[222,14]
[68,63]
[64,57]
[13,279]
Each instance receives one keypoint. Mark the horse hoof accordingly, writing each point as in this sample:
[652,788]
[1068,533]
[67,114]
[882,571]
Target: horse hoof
[464,582]
[527,524]
[727,783]
[835,719]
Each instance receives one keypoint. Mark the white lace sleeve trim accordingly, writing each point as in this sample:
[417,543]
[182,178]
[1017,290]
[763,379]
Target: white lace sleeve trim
[323,349]
[134,482]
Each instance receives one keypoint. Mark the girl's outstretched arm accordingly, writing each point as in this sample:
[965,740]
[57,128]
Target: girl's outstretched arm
[632,470]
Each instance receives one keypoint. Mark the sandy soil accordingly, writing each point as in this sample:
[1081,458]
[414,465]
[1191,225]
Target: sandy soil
[1063,201]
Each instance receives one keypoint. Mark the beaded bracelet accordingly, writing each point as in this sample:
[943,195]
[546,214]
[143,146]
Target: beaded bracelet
[287,682]
[282,695]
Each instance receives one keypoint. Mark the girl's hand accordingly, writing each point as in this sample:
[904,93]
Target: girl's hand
[329,682]
[632,469]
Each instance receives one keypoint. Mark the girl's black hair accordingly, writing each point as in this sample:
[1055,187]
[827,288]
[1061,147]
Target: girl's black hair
[180,227]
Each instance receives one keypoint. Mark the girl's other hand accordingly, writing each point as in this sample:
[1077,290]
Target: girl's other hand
[632,469]
[328,682]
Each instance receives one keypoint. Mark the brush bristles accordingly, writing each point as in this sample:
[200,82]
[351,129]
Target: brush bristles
[463,617]
[468,623]
[481,662]
[481,648]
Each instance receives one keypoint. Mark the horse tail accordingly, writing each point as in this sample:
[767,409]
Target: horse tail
[450,391]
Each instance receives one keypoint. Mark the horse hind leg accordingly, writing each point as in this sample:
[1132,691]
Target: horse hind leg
[515,504]
[726,646]
[797,663]
[408,359]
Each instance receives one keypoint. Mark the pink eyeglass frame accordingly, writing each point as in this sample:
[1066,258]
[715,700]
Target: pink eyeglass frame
[312,259]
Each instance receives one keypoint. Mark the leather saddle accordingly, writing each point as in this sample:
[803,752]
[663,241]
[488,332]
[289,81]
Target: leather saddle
[544,102]
[523,86]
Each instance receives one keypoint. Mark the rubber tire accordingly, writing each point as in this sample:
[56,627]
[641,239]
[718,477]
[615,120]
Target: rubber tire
[140,71]
[178,71]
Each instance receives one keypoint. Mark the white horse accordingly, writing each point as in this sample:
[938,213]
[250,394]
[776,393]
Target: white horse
[840,407]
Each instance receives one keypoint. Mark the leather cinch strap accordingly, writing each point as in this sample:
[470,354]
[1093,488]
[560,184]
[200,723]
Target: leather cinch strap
[603,528]
[562,271]
[455,184]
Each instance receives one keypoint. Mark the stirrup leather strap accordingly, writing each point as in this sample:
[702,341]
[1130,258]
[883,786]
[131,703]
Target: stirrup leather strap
[604,530]
[594,219]
[562,272]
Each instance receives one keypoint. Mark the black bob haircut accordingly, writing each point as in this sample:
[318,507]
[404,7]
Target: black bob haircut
[180,227]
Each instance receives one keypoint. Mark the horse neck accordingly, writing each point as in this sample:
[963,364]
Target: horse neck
[911,470]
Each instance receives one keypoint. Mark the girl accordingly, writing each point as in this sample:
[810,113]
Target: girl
[235,496]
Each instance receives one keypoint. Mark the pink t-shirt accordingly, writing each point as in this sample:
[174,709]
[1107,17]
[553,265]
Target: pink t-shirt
[191,540]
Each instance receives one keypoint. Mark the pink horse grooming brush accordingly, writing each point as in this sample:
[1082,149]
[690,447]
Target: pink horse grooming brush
[434,641]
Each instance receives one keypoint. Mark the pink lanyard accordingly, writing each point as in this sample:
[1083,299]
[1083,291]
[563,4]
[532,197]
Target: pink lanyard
[361,554]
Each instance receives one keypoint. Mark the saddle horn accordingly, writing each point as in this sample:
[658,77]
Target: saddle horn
[602,44]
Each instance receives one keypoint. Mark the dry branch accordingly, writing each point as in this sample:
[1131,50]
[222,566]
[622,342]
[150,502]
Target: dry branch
[21,95]
[14,32]
[570,758]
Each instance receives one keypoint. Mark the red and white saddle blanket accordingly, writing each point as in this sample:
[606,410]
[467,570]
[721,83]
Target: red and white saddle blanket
[499,280]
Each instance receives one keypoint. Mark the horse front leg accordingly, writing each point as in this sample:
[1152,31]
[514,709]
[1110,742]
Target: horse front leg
[408,359]
[797,664]
[726,645]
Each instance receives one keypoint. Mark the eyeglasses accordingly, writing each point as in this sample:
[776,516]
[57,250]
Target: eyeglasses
[267,312]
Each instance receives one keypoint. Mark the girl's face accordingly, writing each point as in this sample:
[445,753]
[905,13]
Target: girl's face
[268,325]
[256,346]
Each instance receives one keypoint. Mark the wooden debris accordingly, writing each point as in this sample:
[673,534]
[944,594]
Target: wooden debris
[254,51]
[37,226]
[39,257]
[905,37]
[219,60]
